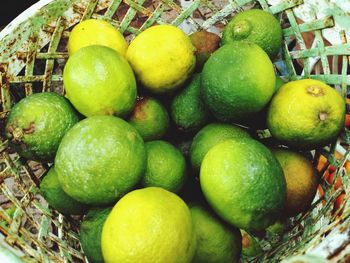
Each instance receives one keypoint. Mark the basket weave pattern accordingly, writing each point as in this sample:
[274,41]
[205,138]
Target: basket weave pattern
[32,59]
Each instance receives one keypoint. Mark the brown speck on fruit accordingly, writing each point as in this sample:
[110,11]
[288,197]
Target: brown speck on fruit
[245,240]
[322,115]
[30,129]
[315,91]
[138,113]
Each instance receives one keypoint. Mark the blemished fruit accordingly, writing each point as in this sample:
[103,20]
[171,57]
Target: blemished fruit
[244,183]
[306,114]
[301,178]
[99,81]
[149,225]
[250,246]
[37,123]
[100,159]
[205,43]
[91,232]
[187,108]
[162,58]
[237,81]
[256,26]
[57,198]
[166,166]
[211,135]
[150,118]
[96,32]
[216,240]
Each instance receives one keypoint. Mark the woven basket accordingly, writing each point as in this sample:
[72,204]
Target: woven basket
[32,56]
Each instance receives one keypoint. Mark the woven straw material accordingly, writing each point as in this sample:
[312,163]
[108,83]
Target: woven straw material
[32,57]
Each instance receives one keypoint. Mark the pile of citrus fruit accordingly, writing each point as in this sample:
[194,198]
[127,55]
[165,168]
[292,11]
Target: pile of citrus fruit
[154,140]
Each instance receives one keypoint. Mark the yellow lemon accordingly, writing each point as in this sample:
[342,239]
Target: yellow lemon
[96,32]
[149,225]
[162,57]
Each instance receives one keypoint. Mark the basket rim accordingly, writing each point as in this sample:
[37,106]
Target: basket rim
[22,17]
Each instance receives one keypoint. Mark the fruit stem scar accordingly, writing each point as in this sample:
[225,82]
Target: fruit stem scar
[241,29]
[315,91]
[322,115]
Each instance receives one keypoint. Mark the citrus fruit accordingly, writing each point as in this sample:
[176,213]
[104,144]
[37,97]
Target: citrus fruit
[306,114]
[149,225]
[57,198]
[301,180]
[99,81]
[187,109]
[244,183]
[216,240]
[237,81]
[205,43]
[250,245]
[149,118]
[91,231]
[96,32]
[211,135]
[166,166]
[100,159]
[37,123]
[256,26]
[162,57]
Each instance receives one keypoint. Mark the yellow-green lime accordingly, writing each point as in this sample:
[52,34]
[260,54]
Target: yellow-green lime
[91,232]
[211,135]
[237,81]
[301,178]
[256,26]
[99,81]
[53,193]
[150,118]
[162,58]
[244,183]
[149,225]
[100,159]
[306,114]
[216,240]
[166,166]
[96,32]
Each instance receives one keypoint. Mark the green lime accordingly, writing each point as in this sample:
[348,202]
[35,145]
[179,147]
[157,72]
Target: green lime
[301,178]
[162,57]
[37,123]
[91,232]
[99,81]
[306,114]
[100,159]
[149,225]
[244,183]
[211,135]
[216,240]
[57,198]
[256,26]
[150,118]
[187,109]
[237,81]
[166,166]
